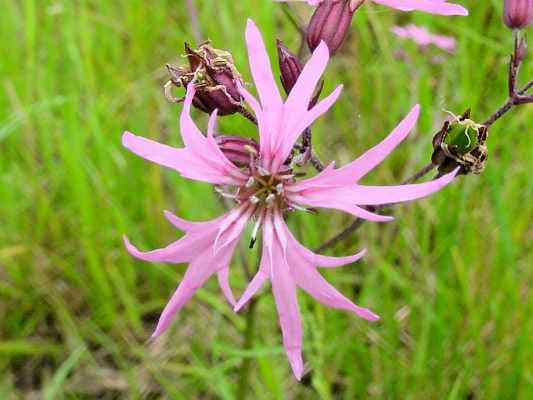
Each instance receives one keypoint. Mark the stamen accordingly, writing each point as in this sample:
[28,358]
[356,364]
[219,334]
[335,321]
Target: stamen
[270,200]
[250,149]
[262,171]
[252,243]
[250,182]
[288,176]
[254,199]
[300,208]
[257,225]
[279,188]
[298,159]
[225,194]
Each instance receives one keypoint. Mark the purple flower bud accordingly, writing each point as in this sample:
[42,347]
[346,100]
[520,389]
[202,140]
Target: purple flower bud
[215,78]
[330,23]
[237,149]
[517,14]
[291,68]
[289,65]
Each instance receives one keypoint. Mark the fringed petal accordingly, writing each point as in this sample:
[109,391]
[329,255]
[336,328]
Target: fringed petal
[439,7]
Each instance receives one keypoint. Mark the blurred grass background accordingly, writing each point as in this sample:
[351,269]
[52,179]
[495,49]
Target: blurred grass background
[451,277]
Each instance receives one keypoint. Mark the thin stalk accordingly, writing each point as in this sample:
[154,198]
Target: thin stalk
[248,115]
[244,372]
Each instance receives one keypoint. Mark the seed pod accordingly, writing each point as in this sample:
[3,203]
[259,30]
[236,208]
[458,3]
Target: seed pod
[517,14]
[460,142]
[215,78]
[237,149]
[330,23]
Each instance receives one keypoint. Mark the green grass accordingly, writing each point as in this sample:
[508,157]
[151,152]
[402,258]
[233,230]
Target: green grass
[451,277]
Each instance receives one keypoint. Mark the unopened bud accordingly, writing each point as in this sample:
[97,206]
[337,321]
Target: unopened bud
[330,23]
[239,150]
[215,77]
[517,14]
[289,66]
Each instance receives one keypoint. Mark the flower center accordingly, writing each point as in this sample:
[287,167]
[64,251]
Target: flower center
[264,190]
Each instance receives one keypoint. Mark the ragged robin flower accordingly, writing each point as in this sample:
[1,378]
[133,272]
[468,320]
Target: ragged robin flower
[263,191]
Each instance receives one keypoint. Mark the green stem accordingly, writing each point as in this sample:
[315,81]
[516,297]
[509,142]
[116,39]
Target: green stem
[244,372]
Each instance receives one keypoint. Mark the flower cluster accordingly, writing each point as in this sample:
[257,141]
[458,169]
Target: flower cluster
[260,180]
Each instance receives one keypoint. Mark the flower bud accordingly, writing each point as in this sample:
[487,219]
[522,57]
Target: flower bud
[330,23]
[517,14]
[215,78]
[237,149]
[289,66]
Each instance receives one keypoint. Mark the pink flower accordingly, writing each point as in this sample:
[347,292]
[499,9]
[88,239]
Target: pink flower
[266,189]
[441,7]
[423,37]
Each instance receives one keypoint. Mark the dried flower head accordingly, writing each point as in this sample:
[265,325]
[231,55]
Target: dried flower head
[214,76]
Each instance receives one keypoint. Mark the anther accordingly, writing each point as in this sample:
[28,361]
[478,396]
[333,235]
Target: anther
[262,171]
[270,199]
[250,182]
[224,194]
[254,199]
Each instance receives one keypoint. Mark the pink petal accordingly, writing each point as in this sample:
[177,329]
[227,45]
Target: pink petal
[313,283]
[205,149]
[374,195]
[201,159]
[178,252]
[204,265]
[423,37]
[223,282]
[358,168]
[262,122]
[260,67]
[258,280]
[304,121]
[431,6]
[297,103]
[211,125]
[295,247]
[156,152]
[182,160]
[200,235]
[284,290]
[327,198]
[231,227]
[181,223]
[280,124]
